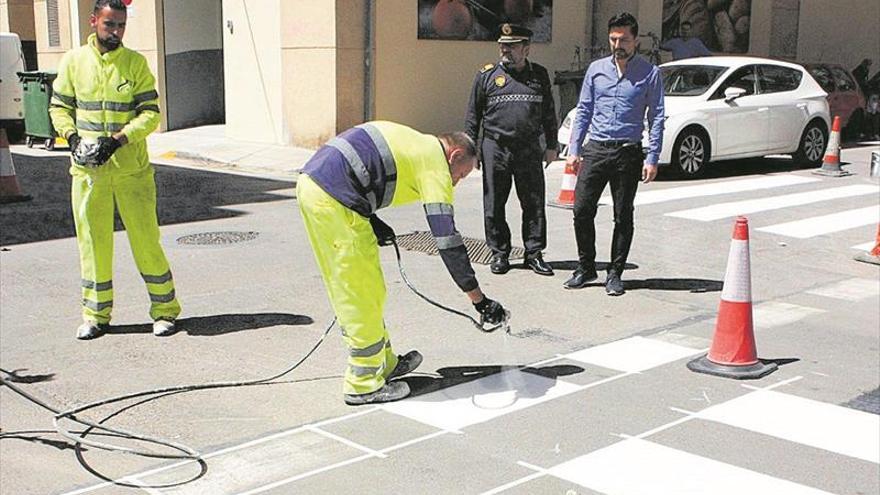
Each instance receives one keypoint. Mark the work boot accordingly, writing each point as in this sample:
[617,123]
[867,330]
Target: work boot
[613,284]
[500,265]
[89,330]
[406,364]
[538,265]
[580,278]
[391,392]
[163,328]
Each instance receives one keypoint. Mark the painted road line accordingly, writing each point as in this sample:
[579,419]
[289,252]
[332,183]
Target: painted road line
[633,354]
[864,247]
[652,196]
[854,289]
[482,399]
[640,467]
[776,314]
[539,472]
[732,209]
[804,421]
[826,224]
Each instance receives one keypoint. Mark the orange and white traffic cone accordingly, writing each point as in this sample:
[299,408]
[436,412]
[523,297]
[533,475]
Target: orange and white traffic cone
[872,256]
[831,162]
[733,353]
[10,191]
[566,191]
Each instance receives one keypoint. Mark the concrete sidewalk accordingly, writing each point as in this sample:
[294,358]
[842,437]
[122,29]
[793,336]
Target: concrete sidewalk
[208,147]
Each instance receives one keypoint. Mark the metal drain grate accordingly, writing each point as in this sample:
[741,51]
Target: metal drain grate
[477,250]
[217,238]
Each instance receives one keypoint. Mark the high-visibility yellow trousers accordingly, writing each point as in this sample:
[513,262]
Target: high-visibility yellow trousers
[93,196]
[348,257]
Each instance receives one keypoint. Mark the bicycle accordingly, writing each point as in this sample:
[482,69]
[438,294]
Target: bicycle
[653,52]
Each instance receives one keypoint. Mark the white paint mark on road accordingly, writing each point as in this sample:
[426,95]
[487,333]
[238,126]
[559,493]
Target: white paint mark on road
[854,289]
[633,354]
[725,187]
[776,314]
[826,224]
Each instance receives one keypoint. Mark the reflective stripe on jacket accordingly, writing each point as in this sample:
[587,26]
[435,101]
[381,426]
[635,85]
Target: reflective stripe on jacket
[102,94]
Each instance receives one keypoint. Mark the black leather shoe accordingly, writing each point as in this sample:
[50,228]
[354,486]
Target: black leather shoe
[613,284]
[539,266]
[500,265]
[406,364]
[580,278]
[391,392]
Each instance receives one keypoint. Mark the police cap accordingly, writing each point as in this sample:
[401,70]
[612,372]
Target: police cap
[513,33]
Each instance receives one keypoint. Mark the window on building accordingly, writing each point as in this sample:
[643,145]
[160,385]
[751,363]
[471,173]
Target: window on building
[52,17]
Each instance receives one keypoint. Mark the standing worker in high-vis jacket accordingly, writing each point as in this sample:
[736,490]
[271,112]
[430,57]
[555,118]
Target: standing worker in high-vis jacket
[364,169]
[105,104]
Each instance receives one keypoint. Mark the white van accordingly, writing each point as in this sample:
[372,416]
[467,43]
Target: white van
[11,104]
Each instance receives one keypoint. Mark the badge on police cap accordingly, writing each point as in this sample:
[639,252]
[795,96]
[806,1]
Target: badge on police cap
[513,33]
[506,29]
[500,81]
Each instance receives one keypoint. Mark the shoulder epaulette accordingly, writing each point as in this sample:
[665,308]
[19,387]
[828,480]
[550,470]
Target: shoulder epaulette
[487,67]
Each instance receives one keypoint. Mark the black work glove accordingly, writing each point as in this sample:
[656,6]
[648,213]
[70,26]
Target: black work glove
[492,311]
[384,234]
[106,147]
[73,142]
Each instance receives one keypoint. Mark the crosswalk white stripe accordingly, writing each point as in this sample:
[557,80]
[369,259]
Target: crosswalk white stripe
[854,289]
[726,210]
[826,224]
[651,196]
[640,467]
[805,421]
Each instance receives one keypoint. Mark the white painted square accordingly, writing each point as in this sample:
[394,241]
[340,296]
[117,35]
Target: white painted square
[639,467]
[854,289]
[633,354]
[817,424]
[826,224]
[776,314]
[652,196]
[481,400]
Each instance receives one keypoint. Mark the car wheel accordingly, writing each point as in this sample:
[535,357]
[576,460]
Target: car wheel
[812,146]
[690,155]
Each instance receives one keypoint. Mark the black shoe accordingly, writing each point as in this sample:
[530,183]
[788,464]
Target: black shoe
[391,392]
[500,265]
[613,285]
[580,278]
[538,265]
[406,364]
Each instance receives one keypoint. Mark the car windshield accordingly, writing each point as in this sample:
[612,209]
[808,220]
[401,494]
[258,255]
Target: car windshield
[689,80]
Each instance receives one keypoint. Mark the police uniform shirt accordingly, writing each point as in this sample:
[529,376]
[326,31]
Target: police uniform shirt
[512,105]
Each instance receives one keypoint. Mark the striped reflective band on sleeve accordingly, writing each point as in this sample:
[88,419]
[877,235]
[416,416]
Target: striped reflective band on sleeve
[70,101]
[97,306]
[146,96]
[99,286]
[144,108]
[357,166]
[89,126]
[368,351]
[157,279]
[439,209]
[364,370]
[162,298]
[387,160]
[449,241]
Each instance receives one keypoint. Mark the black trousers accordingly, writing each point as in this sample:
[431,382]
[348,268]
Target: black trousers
[622,167]
[503,165]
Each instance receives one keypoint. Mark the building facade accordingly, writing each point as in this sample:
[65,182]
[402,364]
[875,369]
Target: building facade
[299,71]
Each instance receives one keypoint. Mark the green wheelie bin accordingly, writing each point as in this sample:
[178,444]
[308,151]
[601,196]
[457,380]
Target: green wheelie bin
[37,86]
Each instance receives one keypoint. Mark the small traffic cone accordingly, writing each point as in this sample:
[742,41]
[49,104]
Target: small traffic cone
[831,162]
[10,191]
[566,191]
[733,353]
[872,256]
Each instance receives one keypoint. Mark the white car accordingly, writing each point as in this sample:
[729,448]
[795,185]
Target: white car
[721,108]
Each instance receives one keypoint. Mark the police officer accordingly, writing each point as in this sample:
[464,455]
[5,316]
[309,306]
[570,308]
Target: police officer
[512,104]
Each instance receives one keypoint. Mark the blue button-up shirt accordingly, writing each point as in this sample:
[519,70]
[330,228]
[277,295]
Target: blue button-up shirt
[613,108]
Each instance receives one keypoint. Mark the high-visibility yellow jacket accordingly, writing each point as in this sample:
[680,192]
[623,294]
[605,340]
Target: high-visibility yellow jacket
[101,94]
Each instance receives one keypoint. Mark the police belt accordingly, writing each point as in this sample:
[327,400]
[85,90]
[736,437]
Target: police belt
[512,142]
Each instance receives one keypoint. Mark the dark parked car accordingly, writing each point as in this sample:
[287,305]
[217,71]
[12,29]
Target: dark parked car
[845,99]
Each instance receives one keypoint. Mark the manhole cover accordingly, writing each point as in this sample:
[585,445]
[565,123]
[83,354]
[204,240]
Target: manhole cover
[217,238]
[477,250]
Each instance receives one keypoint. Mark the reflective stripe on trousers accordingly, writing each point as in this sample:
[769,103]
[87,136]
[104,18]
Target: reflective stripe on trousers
[348,257]
[92,199]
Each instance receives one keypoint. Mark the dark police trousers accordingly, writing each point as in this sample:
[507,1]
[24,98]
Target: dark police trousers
[603,164]
[504,163]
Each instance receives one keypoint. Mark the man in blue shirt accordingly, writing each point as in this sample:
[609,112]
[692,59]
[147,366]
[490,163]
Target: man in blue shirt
[617,93]
[685,46]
